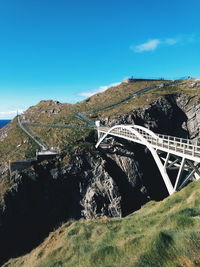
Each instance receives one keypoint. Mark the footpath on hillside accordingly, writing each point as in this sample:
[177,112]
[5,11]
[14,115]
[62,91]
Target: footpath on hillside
[82,115]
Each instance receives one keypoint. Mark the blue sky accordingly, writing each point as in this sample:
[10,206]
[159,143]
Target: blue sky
[67,50]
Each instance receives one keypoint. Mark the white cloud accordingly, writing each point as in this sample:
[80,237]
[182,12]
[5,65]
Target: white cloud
[171,41]
[98,90]
[148,46]
[9,114]
[153,44]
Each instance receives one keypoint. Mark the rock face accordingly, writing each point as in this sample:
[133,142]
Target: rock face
[175,115]
[110,182]
[51,192]
[100,193]
[45,108]
[192,112]
[162,116]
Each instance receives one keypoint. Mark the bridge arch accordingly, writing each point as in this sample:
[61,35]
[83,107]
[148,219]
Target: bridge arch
[181,154]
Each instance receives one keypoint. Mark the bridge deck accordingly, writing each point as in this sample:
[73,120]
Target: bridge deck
[174,145]
[185,152]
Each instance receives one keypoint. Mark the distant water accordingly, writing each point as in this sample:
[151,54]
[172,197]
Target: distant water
[3,123]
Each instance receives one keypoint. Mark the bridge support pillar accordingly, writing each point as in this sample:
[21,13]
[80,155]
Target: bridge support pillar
[185,170]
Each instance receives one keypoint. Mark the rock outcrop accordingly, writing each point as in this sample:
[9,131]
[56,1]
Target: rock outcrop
[163,116]
[192,111]
[51,192]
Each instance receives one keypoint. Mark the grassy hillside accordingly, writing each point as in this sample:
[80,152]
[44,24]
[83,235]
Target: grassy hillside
[64,137]
[162,234]
[54,112]
[17,145]
[188,87]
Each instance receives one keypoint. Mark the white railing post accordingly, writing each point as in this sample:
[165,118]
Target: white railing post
[183,148]
[193,150]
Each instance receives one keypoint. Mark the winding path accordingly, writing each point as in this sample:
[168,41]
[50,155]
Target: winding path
[90,123]
[82,115]
[30,134]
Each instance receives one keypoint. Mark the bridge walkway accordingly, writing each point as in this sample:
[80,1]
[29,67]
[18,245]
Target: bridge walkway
[168,152]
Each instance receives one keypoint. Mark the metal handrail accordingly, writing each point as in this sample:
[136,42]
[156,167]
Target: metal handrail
[184,146]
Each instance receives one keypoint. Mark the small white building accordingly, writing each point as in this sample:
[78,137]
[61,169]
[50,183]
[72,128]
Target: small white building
[98,123]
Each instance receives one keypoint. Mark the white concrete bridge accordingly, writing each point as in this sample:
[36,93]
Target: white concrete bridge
[169,153]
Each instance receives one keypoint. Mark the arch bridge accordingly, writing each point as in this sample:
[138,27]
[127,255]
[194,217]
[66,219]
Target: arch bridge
[169,153]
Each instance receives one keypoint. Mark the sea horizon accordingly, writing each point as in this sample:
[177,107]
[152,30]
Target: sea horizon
[4,122]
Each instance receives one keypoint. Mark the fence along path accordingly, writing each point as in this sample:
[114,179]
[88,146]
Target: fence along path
[90,123]
[44,149]
[168,152]
[133,95]
[82,115]
[30,134]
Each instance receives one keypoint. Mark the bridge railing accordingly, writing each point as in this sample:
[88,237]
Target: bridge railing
[177,139]
[181,145]
[185,146]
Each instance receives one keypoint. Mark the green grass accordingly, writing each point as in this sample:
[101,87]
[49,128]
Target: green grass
[16,145]
[60,137]
[144,100]
[161,234]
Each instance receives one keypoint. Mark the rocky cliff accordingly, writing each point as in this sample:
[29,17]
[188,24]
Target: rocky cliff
[113,181]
